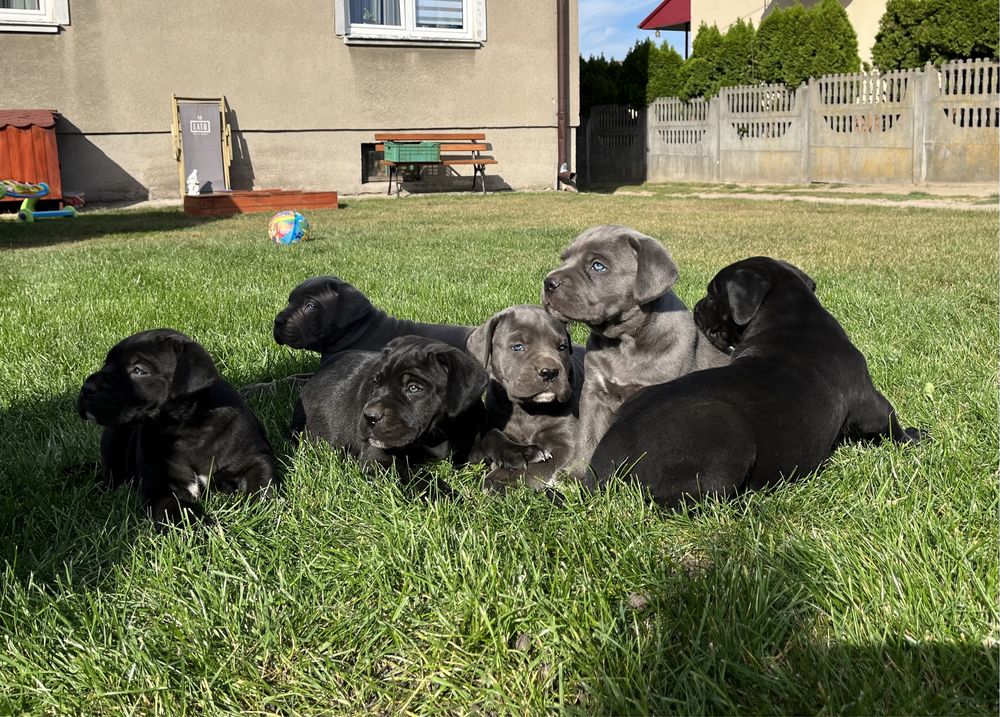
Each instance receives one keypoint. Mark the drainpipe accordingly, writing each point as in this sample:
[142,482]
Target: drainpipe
[563,176]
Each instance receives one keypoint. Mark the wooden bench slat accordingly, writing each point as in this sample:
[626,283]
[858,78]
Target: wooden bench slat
[429,136]
[445,160]
[459,147]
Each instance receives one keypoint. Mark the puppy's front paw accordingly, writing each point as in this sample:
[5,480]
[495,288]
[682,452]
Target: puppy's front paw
[517,456]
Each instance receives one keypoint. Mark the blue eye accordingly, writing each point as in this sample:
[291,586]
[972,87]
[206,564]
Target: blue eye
[598,267]
[562,347]
[517,347]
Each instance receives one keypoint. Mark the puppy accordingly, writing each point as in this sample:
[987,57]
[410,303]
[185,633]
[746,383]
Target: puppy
[326,314]
[618,282]
[795,388]
[415,401]
[533,398]
[172,424]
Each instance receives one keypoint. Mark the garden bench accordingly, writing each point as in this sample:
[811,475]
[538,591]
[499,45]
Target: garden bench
[456,148]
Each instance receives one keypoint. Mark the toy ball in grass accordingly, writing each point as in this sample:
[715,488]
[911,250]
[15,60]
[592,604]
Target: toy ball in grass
[288,227]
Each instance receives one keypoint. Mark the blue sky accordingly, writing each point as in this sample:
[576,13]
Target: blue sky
[610,27]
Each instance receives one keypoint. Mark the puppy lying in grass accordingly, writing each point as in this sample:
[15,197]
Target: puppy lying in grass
[795,388]
[328,315]
[172,425]
[416,401]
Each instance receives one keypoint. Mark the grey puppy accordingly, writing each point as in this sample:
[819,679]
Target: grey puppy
[618,281]
[533,398]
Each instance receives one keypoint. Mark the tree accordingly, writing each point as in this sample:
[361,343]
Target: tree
[599,82]
[783,54]
[833,41]
[913,32]
[737,58]
[702,70]
[635,73]
[665,79]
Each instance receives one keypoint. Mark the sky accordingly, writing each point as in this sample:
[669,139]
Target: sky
[611,27]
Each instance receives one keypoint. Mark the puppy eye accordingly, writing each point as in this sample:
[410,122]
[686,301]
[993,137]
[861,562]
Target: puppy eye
[414,388]
[310,306]
[517,347]
[562,347]
[139,371]
[598,267]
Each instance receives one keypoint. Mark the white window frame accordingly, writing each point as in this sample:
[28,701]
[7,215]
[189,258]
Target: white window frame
[49,17]
[473,34]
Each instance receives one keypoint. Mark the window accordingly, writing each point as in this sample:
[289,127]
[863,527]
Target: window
[33,15]
[412,21]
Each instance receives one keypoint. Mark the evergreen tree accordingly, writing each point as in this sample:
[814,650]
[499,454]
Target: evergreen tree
[833,41]
[703,69]
[913,32]
[665,79]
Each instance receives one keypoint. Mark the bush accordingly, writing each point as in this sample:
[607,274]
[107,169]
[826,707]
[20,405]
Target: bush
[914,32]
[665,72]
[703,68]
[795,44]
[599,83]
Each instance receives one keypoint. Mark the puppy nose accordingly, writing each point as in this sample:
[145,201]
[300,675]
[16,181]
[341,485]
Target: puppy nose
[551,284]
[88,390]
[280,320]
[548,374]
[372,415]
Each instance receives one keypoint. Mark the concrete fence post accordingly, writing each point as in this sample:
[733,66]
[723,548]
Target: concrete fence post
[805,93]
[715,122]
[924,85]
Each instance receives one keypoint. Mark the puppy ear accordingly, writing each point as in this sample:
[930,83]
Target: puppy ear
[746,291]
[466,380]
[801,274]
[656,272]
[351,305]
[480,341]
[194,369]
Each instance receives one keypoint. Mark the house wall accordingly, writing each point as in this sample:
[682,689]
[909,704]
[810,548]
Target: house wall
[302,100]
[863,14]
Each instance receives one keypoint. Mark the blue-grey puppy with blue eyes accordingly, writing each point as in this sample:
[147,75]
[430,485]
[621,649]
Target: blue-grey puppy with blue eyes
[618,282]
[532,401]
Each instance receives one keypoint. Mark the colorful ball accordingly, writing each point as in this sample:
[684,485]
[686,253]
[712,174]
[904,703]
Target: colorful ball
[288,227]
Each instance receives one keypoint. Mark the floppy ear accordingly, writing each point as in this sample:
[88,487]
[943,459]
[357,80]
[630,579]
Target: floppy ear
[801,274]
[351,304]
[194,369]
[746,290]
[480,341]
[656,271]
[569,339]
[466,380]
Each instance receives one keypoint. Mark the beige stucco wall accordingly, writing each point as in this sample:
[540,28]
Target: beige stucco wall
[303,99]
[863,14]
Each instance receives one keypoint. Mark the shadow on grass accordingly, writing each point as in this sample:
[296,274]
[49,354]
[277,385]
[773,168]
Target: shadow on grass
[759,649]
[46,232]
[58,525]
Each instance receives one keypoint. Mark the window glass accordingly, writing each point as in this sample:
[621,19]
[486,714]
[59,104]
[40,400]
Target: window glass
[443,14]
[19,4]
[375,12]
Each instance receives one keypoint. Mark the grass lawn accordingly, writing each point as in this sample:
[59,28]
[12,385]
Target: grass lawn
[871,587]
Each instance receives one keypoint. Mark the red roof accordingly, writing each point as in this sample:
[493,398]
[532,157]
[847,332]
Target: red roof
[669,15]
[26,118]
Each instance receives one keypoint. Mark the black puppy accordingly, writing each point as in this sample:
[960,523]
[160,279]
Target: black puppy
[326,314]
[172,423]
[795,388]
[415,401]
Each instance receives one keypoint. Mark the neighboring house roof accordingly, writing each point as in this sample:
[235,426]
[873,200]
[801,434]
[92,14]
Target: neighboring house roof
[669,15]
[26,118]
